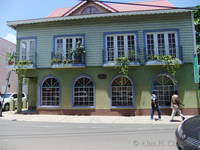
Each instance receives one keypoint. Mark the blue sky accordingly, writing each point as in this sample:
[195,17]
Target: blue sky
[26,9]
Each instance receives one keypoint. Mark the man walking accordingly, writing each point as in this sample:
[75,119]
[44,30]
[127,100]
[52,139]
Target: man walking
[155,105]
[175,105]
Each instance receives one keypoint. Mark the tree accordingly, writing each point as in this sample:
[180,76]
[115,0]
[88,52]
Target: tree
[197,24]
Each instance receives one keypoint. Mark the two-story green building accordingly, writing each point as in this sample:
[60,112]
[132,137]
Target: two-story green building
[73,56]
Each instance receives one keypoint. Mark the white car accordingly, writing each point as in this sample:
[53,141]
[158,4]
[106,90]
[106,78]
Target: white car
[8,97]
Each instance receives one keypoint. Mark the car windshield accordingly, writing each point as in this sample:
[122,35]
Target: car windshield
[5,95]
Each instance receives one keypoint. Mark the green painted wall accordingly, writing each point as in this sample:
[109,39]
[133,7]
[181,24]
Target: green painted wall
[32,92]
[142,77]
[94,29]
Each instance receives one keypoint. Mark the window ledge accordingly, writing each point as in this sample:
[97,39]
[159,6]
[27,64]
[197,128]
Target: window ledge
[82,107]
[156,62]
[112,64]
[68,66]
[24,67]
[49,107]
[122,107]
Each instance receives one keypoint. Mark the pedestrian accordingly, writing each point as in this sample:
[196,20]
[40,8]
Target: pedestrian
[175,105]
[155,105]
[1,107]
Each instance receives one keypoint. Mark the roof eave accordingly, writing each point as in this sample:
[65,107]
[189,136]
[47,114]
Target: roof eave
[13,24]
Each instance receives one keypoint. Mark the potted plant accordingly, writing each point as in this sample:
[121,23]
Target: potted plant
[132,56]
[78,53]
[10,57]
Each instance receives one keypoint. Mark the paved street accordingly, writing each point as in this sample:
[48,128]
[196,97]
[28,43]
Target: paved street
[16,135]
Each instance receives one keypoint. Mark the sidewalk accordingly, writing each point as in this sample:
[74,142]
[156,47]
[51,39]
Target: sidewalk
[10,115]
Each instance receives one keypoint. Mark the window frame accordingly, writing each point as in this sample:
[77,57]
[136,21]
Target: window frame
[133,93]
[166,32]
[115,42]
[168,76]
[40,93]
[28,40]
[73,87]
[64,38]
[90,10]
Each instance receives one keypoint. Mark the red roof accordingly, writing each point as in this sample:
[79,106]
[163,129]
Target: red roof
[59,12]
[123,7]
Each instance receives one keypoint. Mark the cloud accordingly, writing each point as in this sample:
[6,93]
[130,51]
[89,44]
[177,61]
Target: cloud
[10,37]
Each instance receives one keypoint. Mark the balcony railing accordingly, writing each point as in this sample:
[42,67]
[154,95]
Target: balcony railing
[24,62]
[148,58]
[60,61]
[134,59]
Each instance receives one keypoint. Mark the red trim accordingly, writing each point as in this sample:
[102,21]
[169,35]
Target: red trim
[109,6]
[96,2]
[72,8]
[114,112]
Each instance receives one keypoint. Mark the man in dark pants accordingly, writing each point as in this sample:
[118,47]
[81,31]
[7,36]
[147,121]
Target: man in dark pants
[1,107]
[155,105]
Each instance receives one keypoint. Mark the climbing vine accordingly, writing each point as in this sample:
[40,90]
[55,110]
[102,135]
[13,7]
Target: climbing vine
[170,63]
[122,64]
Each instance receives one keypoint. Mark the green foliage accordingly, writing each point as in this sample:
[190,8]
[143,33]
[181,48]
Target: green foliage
[132,56]
[79,51]
[21,72]
[67,61]
[76,54]
[23,63]
[170,63]
[198,49]
[197,23]
[56,61]
[122,65]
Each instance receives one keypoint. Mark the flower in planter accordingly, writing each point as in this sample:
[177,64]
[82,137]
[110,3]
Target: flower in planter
[56,61]
[24,63]
[57,58]
[11,57]
[67,61]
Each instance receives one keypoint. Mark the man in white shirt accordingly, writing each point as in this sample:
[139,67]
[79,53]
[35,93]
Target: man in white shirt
[155,105]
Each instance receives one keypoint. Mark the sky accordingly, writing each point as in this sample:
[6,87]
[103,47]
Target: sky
[11,10]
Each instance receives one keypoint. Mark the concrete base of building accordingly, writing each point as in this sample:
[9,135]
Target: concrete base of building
[114,112]
[32,108]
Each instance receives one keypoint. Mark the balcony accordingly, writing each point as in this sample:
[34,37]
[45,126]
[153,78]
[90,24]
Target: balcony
[153,59]
[68,61]
[16,61]
[134,59]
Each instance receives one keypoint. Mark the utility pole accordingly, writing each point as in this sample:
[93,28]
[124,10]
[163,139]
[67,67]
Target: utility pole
[7,80]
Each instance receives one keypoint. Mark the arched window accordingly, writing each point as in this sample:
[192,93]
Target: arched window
[83,92]
[90,10]
[50,92]
[122,92]
[164,86]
